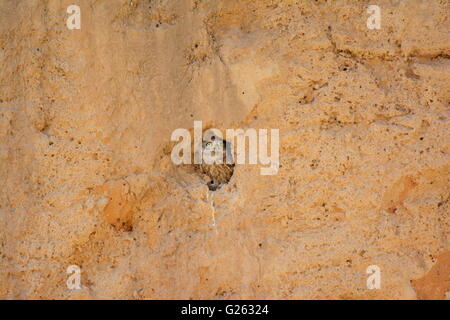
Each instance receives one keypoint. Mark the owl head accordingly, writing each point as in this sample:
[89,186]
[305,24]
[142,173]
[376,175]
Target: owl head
[214,150]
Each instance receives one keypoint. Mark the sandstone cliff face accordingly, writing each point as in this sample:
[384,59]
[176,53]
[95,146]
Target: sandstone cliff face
[86,175]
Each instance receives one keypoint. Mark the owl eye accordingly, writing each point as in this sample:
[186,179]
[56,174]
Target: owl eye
[208,144]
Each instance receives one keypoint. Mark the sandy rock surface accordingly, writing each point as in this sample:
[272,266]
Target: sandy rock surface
[86,176]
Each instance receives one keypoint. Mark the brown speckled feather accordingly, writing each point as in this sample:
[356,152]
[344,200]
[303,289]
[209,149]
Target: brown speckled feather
[219,173]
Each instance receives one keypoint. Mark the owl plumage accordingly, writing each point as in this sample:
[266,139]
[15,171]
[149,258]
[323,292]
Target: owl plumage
[219,173]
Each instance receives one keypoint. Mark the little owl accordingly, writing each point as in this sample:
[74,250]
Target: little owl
[214,163]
